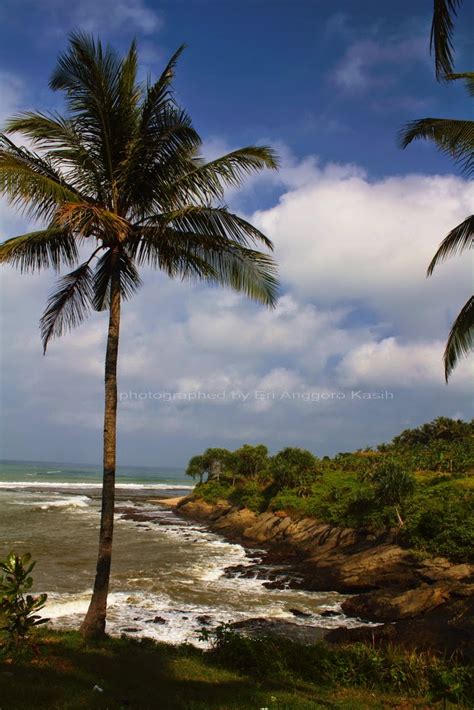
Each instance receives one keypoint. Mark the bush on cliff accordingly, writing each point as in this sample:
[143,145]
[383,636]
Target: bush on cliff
[421,484]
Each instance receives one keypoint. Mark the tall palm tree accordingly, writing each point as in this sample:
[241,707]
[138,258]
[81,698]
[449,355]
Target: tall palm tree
[456,139]
[441,40]
[119,175]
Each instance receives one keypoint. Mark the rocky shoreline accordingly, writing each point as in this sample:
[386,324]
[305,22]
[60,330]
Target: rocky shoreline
[424,603]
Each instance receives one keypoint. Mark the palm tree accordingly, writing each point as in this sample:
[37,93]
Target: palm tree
[441,40]
[456,139]
[120,175]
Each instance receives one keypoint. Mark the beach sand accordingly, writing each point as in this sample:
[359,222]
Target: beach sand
[170,502]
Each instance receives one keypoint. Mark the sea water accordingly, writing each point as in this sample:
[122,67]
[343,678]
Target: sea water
[168,574]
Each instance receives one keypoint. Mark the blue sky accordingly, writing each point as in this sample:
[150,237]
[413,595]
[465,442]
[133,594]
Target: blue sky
[354,220]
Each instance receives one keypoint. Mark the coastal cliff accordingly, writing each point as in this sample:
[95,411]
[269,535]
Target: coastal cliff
[419,601]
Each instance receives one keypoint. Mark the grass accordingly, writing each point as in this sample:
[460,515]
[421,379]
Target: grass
[145,675]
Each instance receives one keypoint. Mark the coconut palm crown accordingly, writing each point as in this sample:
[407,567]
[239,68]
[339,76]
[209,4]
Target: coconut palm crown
[118,183]
[455,138]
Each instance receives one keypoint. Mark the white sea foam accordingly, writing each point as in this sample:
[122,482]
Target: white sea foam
[97,486]
[71,502]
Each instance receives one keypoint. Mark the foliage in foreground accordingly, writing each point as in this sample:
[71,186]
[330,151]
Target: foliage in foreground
[420,486]
[354,665]
[236,673]
[18,609]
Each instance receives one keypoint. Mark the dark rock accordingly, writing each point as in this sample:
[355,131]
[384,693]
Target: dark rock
[447,629]
[157,620]
[130,630]
[204,619]
[396,604]
[329,613]
[300,613]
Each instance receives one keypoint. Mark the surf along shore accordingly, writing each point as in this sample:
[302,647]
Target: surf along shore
[423,603]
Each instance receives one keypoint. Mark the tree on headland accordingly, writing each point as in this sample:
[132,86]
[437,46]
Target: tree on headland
[120,175]
[197,468]
[249,461]
[293,468]
[392,485]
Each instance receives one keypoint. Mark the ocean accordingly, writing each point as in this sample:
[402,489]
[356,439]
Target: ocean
[169,576]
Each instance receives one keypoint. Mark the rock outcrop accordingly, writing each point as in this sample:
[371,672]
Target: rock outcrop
[426,603]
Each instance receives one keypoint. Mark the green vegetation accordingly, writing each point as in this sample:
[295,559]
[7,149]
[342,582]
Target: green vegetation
[420,486]
[69,674]
[18,609]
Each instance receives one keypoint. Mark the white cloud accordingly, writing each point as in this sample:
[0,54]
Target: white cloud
[343,239]
[369,62]
[357,313]
[389,362]
[107,17]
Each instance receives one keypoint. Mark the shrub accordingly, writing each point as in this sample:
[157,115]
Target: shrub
[250,495]
[18,610]
[214,491]
[357,664]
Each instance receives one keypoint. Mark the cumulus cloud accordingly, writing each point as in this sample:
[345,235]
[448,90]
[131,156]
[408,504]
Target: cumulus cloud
[343,238]
[356,312]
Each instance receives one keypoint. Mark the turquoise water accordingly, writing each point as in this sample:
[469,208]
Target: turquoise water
[70,475]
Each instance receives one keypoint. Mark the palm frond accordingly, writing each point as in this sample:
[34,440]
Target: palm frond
[42,249]
[210,258]
[442,28]
[86,220]
[61,142]
[160,152]
[112,261]
[67,306]
[95,82]
[244,270]
[461,338]
[159,94]
[30,182]
[468,78]
[208,181]
[453,137]
[214,222]
[458,239]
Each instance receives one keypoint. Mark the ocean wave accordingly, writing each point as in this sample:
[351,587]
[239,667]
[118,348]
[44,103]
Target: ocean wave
[97,486]
[59,502]
[158,616]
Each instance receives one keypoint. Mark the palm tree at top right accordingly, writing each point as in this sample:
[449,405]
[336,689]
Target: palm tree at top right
[455,137]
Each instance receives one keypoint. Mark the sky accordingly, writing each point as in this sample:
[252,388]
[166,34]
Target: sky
[354,220]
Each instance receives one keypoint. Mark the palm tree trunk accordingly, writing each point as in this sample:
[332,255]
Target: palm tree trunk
[94,621]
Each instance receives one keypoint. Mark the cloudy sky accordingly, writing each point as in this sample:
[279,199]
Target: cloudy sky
[354,220]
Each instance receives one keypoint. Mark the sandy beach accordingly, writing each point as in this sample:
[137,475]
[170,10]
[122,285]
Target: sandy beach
[170,502]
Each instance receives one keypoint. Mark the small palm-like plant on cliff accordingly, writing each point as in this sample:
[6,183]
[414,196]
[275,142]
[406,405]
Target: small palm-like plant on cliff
[119,177]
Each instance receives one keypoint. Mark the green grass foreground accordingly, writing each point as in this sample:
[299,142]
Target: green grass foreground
[238,673]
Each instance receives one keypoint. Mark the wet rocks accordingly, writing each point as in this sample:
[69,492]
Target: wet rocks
[396,604]
[418,602]
[157,620]
[445,629]
[300,614]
